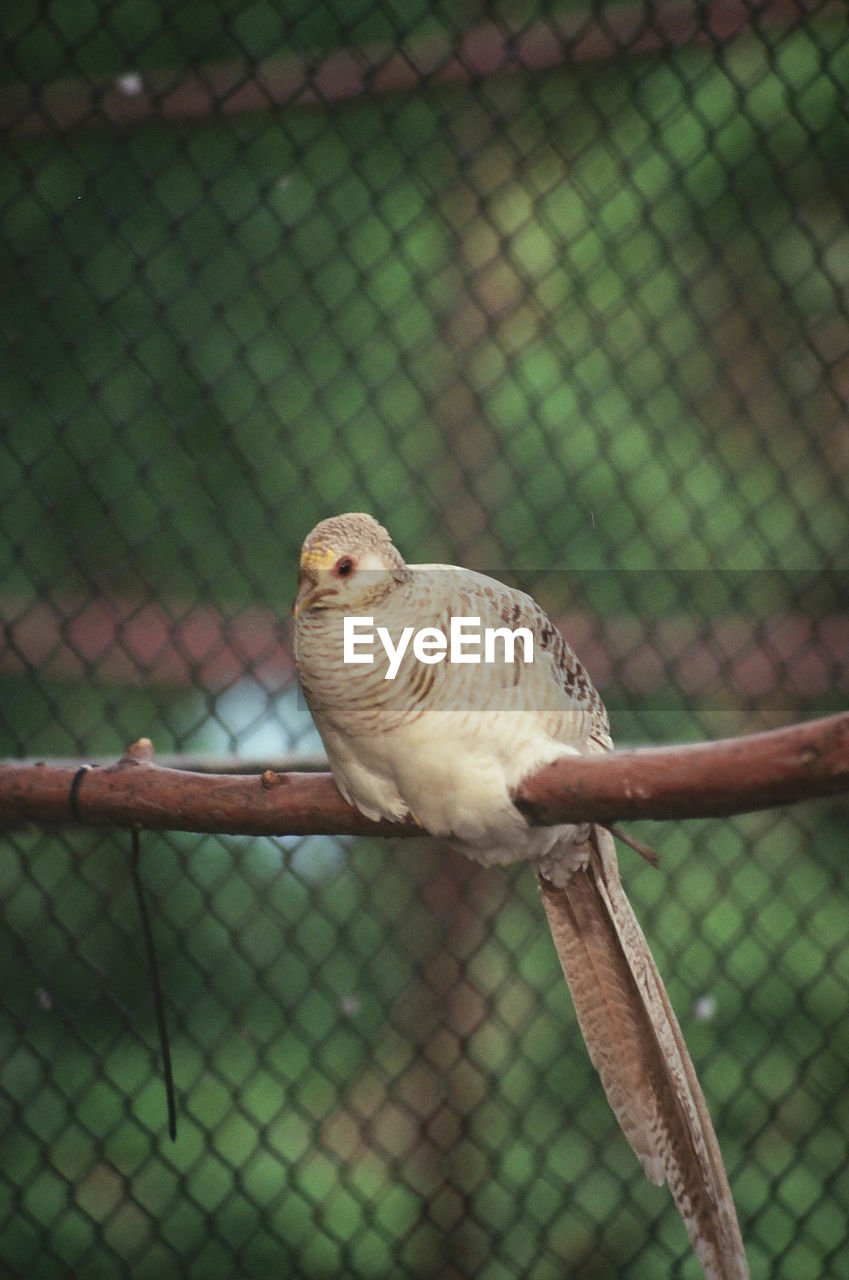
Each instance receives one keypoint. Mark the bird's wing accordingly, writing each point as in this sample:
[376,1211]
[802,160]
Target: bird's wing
[637,1048]
[555,685]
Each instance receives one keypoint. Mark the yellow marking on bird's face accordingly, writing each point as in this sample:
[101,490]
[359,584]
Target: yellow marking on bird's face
[316,562]
[319,558]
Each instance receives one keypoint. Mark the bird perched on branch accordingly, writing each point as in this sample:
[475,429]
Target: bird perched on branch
[415,724]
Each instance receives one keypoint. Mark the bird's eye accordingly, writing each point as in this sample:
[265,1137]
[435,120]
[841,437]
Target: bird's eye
[344,567]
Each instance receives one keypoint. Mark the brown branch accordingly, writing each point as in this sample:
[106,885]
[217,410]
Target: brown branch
[700,780]
[490,49]
[711,779]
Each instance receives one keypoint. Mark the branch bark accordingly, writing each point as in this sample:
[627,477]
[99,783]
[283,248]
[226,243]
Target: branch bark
[712,779]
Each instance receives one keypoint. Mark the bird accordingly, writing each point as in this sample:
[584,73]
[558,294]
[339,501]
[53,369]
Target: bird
[443,738]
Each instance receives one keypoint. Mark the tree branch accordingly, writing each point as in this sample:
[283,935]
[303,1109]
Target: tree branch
[700,780]
[712,779]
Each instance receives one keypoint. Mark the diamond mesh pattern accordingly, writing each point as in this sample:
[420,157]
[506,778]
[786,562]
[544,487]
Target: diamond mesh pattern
[556,291]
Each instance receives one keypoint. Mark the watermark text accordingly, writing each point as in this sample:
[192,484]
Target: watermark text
[466,642]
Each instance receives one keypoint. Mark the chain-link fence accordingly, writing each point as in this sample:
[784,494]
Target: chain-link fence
[542,286]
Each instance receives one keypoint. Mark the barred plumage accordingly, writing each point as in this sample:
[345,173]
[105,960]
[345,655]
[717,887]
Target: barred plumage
[449,742]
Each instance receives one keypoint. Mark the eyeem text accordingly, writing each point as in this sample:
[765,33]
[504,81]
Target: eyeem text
[465,642]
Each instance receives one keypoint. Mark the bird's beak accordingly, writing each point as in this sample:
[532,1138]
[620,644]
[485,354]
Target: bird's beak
[309,592]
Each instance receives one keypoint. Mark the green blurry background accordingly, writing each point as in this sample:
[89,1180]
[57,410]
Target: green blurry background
[580,320]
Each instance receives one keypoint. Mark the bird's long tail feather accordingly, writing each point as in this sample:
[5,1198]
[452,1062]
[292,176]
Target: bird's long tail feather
[637,1048]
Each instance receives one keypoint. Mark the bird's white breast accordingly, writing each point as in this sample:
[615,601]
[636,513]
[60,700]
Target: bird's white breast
[447,743]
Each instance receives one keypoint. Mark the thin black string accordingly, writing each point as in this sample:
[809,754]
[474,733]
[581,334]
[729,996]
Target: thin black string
[153,969]
[74,797]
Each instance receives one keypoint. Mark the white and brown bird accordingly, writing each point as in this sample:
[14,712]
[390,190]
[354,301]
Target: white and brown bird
[408,731]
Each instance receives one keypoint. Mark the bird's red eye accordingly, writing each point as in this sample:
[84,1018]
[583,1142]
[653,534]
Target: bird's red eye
[344,568]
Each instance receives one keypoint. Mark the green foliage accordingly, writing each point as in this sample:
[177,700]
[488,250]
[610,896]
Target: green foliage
[253,328]
[298,1098]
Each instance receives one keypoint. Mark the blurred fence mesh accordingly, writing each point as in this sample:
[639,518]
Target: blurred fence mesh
[543,286]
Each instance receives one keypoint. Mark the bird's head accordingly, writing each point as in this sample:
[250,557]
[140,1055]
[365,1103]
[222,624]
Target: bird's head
[347,562]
